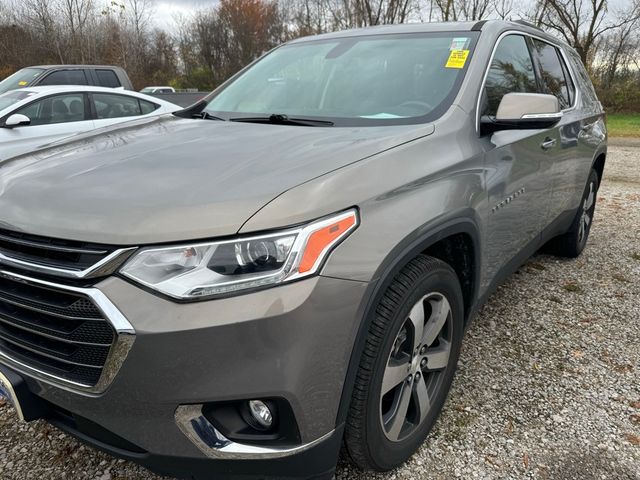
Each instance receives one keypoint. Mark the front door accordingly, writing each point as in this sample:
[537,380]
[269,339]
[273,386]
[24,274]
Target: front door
[52,118]
[515,161]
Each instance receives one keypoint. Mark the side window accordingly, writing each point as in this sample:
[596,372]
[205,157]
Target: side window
[115,106]
[148,107]
[570,86]
[65,77]
[587,93]
[65,108]
[554,80]
[108,78]
[511,71]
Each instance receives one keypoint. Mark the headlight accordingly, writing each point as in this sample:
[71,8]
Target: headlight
[201,270]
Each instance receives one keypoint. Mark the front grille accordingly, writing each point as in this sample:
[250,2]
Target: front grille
[56,331]
[52,252]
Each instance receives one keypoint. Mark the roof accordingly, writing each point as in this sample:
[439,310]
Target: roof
[84,88]
[47,67]
[74,88]
[488,25]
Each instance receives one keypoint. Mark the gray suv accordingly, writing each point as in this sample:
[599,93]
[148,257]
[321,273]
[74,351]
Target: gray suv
[288,267]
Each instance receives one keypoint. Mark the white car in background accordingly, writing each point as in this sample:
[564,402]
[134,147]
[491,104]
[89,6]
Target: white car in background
[155,90]
[34,117]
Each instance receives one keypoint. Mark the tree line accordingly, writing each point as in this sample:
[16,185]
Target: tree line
[210,45]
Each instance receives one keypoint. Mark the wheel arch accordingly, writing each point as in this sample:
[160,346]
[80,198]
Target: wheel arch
[431,240]
[599,160]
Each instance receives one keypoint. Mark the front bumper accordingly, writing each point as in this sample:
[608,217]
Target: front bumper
[292,342]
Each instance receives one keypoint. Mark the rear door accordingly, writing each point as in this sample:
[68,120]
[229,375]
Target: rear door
[52,118]
[518,192]
[562,160]
[568,162]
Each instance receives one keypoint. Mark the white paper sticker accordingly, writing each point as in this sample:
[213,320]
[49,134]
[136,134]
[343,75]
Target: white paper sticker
[460,43]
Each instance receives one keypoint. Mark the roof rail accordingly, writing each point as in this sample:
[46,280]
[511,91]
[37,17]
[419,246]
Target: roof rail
[527,23]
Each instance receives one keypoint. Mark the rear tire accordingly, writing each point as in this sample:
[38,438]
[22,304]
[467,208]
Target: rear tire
[572,243]
[416,331]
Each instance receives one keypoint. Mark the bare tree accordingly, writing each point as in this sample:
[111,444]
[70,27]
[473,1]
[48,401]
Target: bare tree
[448,11]
[473,9]
[582,22]
[503,8]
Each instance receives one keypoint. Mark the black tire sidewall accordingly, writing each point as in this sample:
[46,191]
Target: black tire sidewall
[575,230]
[383,453]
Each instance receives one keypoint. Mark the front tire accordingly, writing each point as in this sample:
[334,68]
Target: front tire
[407,366]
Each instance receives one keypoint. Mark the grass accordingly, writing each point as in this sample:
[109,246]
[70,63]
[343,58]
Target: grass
[624,125]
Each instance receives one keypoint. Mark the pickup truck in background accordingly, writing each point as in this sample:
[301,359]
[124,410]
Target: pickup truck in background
[88,75]
[48,75]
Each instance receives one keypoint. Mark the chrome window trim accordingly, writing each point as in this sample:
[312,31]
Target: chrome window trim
[124,338]
[576,96]
[102,268]
[214,444]
[558,115]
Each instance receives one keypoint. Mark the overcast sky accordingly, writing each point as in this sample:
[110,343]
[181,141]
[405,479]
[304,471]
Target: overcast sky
[166,10]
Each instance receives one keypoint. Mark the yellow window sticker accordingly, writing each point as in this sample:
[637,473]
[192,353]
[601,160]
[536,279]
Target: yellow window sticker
[22,83]
[457,59]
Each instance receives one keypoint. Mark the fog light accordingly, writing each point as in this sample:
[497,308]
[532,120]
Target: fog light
[261,413]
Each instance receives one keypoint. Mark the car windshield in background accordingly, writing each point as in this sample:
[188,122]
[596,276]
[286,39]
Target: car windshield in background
[13,97]
[369,80]
[20,79]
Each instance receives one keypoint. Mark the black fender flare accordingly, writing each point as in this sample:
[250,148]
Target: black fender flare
[600,152]
[460,221]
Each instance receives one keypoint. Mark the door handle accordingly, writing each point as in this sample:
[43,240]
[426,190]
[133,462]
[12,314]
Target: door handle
[548,143]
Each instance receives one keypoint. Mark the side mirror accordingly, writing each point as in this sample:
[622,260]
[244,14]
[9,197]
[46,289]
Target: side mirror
[17,120]
[521,111]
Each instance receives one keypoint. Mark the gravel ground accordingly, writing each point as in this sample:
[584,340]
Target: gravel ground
[548,385]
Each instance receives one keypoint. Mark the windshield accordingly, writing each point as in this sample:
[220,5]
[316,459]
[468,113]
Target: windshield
[20,79]
[369,80]
[11,98]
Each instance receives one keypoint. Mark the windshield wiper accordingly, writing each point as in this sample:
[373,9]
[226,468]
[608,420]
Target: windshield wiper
[207,116]
[280,119]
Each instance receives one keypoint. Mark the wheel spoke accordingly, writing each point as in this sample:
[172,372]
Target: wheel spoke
[399,416]
[421,397]
[394,375]
[588,203]
[439,314]
[438,358]
[581,231]
[587,220]
[416,315]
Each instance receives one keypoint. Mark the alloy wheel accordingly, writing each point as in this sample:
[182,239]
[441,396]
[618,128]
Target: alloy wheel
[415,369]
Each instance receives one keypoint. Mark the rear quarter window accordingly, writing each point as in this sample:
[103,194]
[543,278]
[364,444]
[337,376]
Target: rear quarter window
[587,92]
[148,107]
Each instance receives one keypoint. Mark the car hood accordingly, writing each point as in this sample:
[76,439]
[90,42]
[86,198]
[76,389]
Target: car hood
[172,179]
